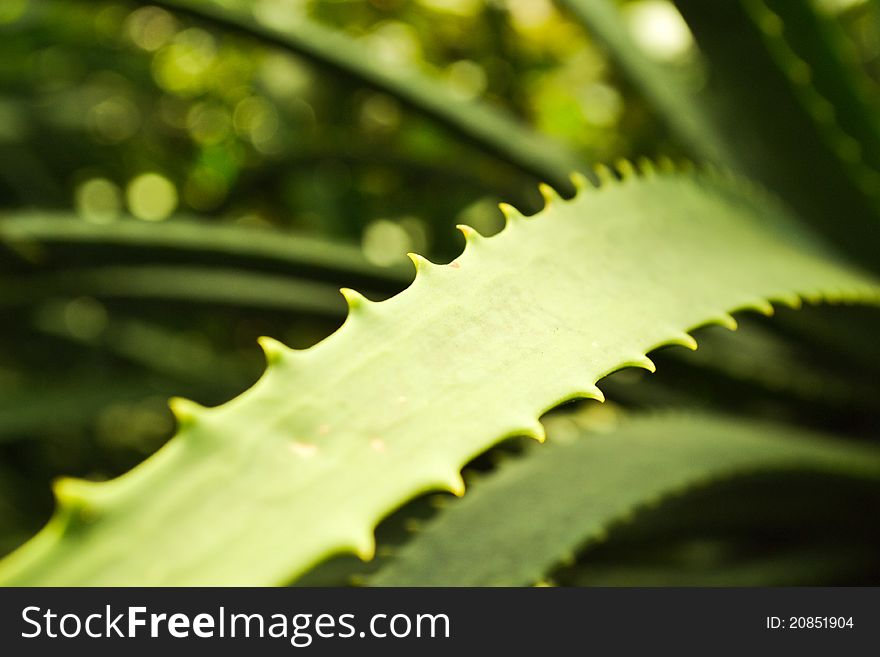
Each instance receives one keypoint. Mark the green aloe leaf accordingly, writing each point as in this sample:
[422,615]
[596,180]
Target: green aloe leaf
[514,527]
[490,128]
[57,238]
[333,438]
[780,128]
[175,283]
[822,63]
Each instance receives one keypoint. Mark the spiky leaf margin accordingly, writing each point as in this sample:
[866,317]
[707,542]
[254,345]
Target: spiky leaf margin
[333,438]
[536,512]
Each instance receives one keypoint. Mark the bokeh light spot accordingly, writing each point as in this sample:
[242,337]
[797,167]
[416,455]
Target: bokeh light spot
[208,123]
[85,318]
[182,66]
[659,29]
[150,28]
[385,242]
[601,104]
[379,113]
[256,120]
[151,197]
[98,201]
[466,79]
[114,119]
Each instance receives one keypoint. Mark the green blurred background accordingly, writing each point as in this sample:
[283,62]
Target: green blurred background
[116,112]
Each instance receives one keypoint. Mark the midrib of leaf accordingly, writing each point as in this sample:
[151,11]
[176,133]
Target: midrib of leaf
[493,130]
[331,439]
[557,499]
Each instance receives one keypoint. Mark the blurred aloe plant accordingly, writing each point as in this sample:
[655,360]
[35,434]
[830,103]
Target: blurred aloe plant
[426,389]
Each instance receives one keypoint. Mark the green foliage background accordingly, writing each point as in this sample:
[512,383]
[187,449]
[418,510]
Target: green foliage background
[173,185]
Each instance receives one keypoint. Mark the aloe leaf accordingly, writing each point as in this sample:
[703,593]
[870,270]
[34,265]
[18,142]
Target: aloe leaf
[75,400]
[823,66]
[777,123]
[176,354]
[176,283]
[516,526]
[491,129]
[762,357]
[333,438]
[665,88]
[38,236]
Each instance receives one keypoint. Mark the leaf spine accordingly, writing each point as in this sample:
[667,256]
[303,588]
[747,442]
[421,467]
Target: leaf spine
[455,485]
[590,392]
[548,194]
[272,349]
[534,430]
[642,361]
[186,411]
[365,546]
[665,164]
[354,299]
[685,340]
[604,174]
[511,214]
[790,300]
[77,496]
[626,169]
[421,263]
[762,306]
[646,167]
[579,180]
[726,320]
[471,234]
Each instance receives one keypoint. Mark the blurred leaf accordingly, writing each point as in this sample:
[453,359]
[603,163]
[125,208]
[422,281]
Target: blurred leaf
[179,284]
[775,124]
[515,526]
[489,128]
[62,239]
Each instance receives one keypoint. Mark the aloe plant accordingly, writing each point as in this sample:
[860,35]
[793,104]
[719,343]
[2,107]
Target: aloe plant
[420,388]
